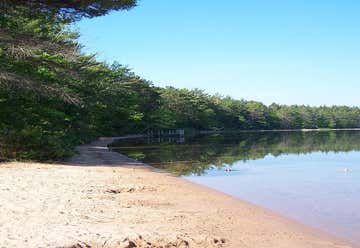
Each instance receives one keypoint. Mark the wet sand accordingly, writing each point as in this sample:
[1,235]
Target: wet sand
[103,199]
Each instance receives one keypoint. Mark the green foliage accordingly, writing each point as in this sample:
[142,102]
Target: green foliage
[53,97]
[70,9]
[194,108]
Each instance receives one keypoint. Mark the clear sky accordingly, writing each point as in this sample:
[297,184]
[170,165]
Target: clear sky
[284,51]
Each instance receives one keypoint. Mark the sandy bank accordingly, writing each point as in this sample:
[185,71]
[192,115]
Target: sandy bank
[94,202]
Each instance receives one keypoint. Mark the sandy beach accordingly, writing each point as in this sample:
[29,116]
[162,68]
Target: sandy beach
[103,199]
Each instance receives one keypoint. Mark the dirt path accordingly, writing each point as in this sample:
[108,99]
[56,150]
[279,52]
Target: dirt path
[103,199]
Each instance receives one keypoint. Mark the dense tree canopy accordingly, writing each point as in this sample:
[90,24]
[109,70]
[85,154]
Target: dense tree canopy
[69,9]
[194,108]
[53,97]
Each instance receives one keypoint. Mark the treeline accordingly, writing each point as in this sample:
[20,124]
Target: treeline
[53,96]
[194,108]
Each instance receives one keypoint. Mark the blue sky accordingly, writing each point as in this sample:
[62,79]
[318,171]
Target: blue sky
[284,51]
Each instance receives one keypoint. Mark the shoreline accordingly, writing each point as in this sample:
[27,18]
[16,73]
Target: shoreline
[101,198]
[280,130]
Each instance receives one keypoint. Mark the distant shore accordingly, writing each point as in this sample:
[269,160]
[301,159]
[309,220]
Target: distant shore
[281,130]
[101,198]
[246,131]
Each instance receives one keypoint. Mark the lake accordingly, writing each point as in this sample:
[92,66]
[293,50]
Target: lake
[312,177]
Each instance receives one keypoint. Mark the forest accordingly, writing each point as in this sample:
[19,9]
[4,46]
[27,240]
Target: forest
[53,96]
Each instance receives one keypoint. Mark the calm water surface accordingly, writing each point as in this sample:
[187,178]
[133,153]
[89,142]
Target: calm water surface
[313,177]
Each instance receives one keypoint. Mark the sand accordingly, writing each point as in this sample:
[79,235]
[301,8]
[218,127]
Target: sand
[103,199]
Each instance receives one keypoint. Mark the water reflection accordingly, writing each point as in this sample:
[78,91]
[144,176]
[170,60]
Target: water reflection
[196,155]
